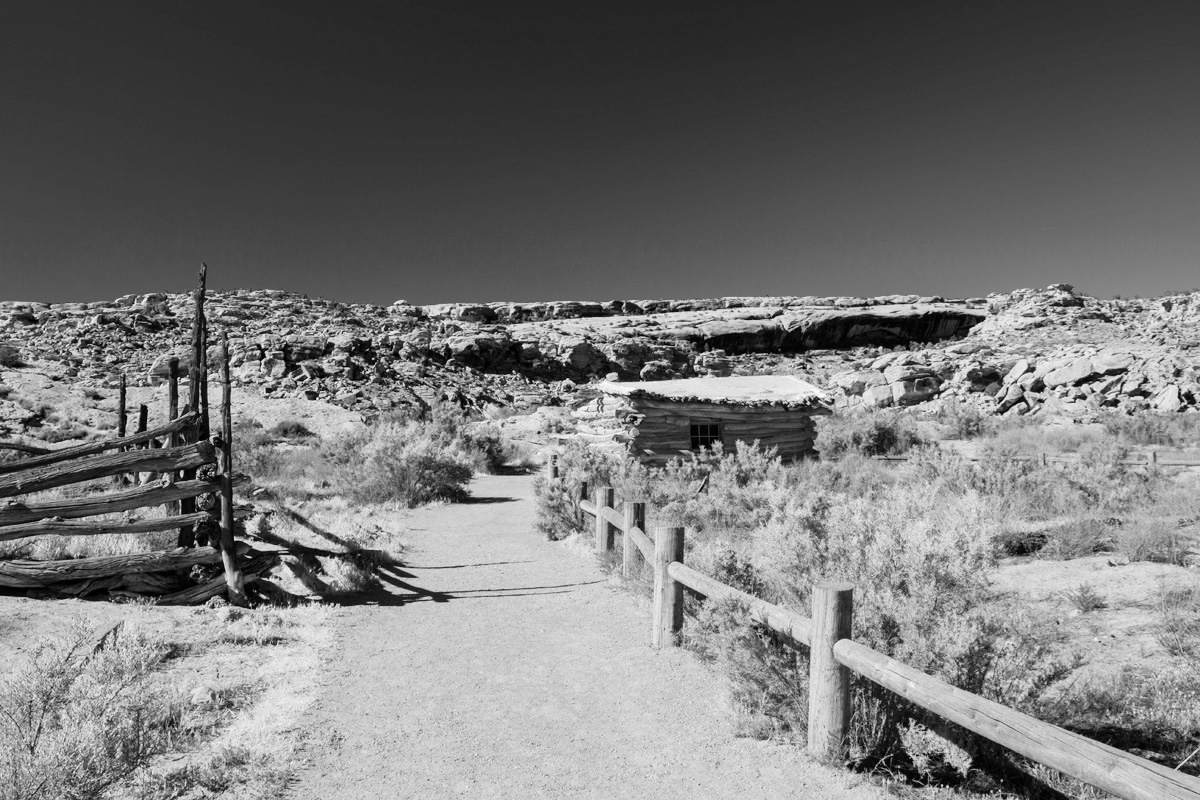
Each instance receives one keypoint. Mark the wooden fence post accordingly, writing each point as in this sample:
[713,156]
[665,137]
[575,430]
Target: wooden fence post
[122,417]
[635,517]
[233,576]
[197,374]
[605,532]
[1153,458]
[173,394]
[829,681]
[668,592]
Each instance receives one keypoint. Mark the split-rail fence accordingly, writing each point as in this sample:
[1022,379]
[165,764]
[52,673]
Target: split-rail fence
[834,655]
[195,483]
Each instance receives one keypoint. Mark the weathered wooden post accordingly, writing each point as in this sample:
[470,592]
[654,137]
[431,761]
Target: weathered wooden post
[143,421]
[552,467]
[1045,459]
[122,417]
[635,517]
[668,592]
[233,576]
[1153,458]
[197,374]
[605,531]
[173,394]
[172,508]
[829,681]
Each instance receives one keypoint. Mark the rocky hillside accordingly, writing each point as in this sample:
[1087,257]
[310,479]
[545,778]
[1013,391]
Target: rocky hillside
[1007,353]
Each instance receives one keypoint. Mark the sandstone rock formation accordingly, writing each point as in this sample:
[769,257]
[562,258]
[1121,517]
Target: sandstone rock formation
[1011,353]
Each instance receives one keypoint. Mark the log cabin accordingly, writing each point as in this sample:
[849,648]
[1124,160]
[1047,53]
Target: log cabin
[656,421]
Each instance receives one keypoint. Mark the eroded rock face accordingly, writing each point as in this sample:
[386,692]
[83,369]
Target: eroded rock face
[1054,349]
[1008,353]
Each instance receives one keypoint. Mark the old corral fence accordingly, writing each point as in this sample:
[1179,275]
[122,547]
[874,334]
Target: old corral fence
[195,485]
[833,655]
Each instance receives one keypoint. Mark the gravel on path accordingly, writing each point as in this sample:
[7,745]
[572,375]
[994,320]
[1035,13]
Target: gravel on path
[500,665]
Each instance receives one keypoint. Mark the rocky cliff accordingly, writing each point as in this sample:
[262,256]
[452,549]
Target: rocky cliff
[1006,353]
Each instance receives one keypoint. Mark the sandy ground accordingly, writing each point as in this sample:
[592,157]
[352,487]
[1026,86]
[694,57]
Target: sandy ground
[497,664]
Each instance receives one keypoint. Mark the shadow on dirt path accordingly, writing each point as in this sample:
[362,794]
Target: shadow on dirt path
[544,686]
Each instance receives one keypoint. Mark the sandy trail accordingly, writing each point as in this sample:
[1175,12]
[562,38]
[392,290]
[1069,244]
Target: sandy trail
[501,665]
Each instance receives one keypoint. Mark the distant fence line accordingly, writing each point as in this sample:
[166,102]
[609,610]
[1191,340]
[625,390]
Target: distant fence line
[833,655]
[1152,459]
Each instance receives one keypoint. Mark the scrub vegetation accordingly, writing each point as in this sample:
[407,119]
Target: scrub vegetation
[924,541]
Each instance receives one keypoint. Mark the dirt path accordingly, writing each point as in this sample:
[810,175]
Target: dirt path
[502,665]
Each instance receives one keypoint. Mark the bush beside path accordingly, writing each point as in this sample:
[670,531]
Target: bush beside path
[497,664]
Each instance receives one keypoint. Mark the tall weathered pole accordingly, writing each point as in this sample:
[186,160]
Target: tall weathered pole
[196,377]
[200,354]
[233,576]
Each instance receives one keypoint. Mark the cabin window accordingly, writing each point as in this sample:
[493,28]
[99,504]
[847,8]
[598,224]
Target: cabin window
[705,434]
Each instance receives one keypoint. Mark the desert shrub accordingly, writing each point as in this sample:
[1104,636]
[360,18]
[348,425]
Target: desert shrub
[291,429]
[1151,540]
[254,450]
[1151,429]
[400,461]
[66,433]
[964,421]
[558,514]
[486,440]
[877,433]
[1085,598]
[769,684]
[405,457]
[1156,711]
[1023,436]
[74,722]
[1179,631]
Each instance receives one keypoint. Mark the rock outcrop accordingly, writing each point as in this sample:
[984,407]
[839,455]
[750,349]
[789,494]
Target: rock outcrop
[1012,353]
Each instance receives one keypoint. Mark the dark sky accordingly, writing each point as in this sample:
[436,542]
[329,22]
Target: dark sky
[439,151]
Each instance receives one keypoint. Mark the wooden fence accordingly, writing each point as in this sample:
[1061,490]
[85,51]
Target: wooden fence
[1151,459]
[195,483]
[834,655]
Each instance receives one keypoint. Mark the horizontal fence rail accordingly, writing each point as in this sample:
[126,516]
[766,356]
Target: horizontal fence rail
[53,476]
[178,466]
[833,655]
[154,494]
[92,448]
[1152,459]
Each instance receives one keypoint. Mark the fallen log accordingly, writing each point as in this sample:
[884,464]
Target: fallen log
[92,448]
[160,493]
[61,527]
[25,573]
[85,469]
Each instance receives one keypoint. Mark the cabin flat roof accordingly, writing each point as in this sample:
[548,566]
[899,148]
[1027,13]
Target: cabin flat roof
[744,390]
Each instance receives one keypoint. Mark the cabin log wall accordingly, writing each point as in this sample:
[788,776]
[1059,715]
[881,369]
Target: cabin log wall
[661,430]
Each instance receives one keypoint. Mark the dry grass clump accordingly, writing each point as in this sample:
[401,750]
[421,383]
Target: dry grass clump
[80,718]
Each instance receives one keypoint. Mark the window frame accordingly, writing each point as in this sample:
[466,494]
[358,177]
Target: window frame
[698,440]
